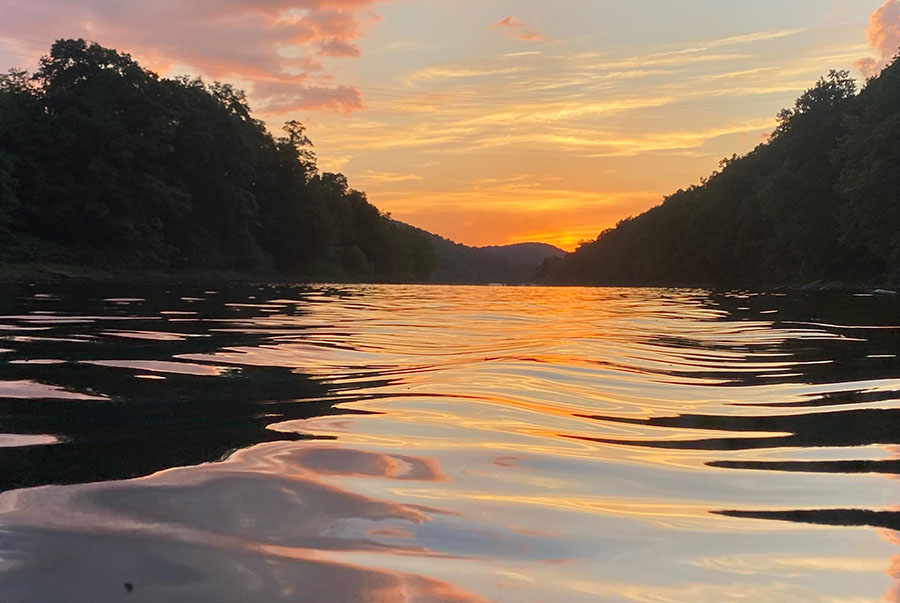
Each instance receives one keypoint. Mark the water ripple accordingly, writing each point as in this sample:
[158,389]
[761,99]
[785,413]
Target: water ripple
[449,443]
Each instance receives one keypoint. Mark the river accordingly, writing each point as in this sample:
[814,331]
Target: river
[228,442]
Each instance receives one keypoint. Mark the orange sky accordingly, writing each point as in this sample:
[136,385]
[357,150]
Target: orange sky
[498,121]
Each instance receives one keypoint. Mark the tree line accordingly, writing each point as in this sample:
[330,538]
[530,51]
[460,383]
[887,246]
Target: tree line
[105,163]
[818,202]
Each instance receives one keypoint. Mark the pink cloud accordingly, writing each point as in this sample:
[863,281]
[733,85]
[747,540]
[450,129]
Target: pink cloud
[282,99]
[884,37]
[336,47]
[278,46]
[516,29]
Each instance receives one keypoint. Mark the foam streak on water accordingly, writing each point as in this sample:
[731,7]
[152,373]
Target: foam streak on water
[422,443]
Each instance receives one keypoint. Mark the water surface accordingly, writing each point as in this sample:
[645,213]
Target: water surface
[342,443]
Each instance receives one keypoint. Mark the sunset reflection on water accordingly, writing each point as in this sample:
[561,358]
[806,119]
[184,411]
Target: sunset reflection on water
[462,443]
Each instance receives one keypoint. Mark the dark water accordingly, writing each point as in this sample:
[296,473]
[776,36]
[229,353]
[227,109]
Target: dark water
[346,443]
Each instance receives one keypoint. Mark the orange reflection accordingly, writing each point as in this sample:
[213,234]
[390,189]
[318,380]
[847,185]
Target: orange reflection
[444,460]
[358,463]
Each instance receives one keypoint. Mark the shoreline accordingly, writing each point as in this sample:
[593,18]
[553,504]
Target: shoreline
[54,273]
[31,272]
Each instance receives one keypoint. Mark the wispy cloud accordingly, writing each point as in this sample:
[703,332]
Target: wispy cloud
[373,177]
[516,30]
[333,163]
[581,103]
[750,38]
[452,72]
[587,121]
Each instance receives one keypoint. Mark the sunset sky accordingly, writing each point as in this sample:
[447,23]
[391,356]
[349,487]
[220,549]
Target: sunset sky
[495,121]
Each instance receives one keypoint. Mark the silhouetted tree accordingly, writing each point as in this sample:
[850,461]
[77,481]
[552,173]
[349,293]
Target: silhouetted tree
[818,201]
[103,162]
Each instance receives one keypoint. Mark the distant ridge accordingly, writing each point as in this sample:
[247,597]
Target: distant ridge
[506,264]
[524,253]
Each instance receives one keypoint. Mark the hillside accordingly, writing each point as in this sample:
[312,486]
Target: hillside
[524,253]
[818,202]
[103,164]
[508,264]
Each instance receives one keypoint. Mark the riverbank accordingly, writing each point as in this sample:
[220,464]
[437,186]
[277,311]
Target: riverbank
[51,273]
[38,272]
[17,273]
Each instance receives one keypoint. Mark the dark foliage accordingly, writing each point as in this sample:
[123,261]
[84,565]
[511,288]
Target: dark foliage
[102,162]
[507,264]
[820,201]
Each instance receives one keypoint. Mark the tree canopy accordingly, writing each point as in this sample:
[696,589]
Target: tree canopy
[103,162]
[819,201]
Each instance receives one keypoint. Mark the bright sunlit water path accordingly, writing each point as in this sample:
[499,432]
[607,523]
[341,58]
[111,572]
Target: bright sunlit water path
[345,443]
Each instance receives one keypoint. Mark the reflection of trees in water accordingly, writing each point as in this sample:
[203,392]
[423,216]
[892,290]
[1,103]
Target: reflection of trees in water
[146,424]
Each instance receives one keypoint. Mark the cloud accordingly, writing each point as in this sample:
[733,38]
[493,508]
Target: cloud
[333,163]
[884,37]
[758,36]
[371,176]
[275,48]
[336,47]
[516,29]
[450,72]
[280,97]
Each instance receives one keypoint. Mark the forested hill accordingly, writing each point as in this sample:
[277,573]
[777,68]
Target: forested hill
[820,201]
[103,163]
[507,264]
